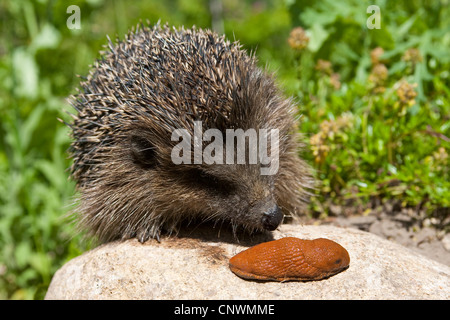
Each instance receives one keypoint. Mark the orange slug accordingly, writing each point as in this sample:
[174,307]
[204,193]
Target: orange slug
[291,259]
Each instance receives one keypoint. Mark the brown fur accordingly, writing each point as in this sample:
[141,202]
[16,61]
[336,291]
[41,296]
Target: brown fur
[158,80]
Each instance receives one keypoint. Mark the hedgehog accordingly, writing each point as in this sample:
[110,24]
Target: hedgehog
[155,81]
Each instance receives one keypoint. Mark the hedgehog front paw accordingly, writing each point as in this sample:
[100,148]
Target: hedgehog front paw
[145,234]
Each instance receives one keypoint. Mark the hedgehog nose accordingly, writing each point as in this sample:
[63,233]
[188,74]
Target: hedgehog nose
[272,218]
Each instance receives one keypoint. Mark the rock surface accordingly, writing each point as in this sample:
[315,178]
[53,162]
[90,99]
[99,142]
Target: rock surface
[405,227]
[195,266]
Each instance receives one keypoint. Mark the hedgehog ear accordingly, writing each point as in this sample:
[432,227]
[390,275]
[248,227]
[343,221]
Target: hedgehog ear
[142,151]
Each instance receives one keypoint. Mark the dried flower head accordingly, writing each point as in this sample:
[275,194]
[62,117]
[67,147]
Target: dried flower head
[335,80]
[379,74]
[441,155]
[319,149]
[329,129]
[298,39]
[375,55]
[324,66]
[412,55]
[406,93]
[378,77]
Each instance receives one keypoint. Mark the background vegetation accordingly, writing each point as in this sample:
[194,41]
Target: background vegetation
[374,103]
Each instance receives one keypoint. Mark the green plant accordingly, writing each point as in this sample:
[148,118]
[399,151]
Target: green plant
[376,104]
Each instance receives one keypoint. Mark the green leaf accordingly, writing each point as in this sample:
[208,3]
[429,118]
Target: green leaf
[22,254]
[48,38]
[28,128]
[40,262]
[318,35]
[26,73]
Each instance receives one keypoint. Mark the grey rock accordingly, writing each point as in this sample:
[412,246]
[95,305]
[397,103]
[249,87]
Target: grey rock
[196,267]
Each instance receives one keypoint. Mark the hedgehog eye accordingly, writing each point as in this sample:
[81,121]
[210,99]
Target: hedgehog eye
[142,151]
[207,180]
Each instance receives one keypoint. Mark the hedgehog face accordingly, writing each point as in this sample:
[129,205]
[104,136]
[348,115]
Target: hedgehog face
[235,193]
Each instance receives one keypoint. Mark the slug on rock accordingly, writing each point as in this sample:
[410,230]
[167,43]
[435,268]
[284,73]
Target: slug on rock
[291,259]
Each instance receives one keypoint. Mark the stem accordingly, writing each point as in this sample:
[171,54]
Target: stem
[390,147]
[364,126]
[30,19]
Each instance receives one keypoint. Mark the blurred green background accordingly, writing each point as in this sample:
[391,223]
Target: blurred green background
[374,103]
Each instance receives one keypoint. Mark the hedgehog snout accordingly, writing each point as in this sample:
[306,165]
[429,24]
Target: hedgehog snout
[272,218]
